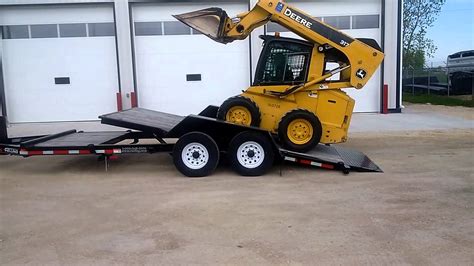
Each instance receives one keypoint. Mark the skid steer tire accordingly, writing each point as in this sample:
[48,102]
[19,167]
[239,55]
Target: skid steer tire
[196,154]
[299,130]
[240,110]
[251,153]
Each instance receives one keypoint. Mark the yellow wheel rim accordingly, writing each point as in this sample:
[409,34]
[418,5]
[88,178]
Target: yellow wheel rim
[239,115]
[300,131]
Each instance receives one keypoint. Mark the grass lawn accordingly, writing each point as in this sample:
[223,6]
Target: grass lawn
[437,100]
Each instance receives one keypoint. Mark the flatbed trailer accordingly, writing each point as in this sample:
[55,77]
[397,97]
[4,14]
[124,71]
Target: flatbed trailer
[195,141]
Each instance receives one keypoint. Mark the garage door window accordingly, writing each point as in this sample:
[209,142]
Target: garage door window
[73,30]
[175,28]
[274,27]
[365,22]
[339,22]
[15,32]
[148,28]
[44,31]
[101,29]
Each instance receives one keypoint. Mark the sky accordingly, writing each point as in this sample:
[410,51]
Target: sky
[453,31]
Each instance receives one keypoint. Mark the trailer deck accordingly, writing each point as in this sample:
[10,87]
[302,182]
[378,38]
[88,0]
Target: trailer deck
[142,124]
[144,120]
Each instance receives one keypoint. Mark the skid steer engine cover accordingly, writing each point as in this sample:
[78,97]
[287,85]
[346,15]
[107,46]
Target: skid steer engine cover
[210,22]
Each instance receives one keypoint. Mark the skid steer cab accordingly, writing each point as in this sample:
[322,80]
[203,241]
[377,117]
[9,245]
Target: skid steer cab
[297,92]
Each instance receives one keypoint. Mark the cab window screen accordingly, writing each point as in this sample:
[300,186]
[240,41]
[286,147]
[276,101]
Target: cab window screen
[283,63]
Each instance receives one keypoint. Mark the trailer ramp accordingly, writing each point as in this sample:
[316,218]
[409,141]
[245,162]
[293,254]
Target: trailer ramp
[332,157]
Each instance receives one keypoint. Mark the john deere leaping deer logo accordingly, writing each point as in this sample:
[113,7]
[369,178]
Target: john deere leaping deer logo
[361,73]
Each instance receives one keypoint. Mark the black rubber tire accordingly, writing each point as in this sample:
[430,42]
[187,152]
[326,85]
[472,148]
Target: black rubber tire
[206,141]
[299,114]
[266,149]
[240,101]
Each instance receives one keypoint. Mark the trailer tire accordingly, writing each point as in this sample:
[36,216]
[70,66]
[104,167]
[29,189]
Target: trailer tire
[196,154]
[299,130]
[240,110]
[251,153]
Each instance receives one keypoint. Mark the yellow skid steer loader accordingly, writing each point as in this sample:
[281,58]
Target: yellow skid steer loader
[294,94]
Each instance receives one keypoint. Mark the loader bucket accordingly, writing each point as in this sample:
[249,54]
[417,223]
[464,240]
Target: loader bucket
[210,22]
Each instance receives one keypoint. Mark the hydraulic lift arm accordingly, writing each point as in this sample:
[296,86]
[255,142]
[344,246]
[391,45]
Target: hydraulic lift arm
[362,58]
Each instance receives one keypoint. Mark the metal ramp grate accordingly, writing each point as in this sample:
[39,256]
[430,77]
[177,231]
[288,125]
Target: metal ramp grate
[357,160]
[333,157]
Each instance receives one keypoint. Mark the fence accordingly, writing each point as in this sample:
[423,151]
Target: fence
[452,81]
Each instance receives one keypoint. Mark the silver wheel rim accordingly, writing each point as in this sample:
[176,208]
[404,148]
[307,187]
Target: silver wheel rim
[195,156]
[250,154]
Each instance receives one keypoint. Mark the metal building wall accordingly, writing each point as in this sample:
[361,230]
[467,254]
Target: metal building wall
[391,32]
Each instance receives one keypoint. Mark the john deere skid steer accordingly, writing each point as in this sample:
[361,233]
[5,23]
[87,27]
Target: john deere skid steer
[294,94]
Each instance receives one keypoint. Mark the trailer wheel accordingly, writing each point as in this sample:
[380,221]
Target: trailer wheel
[251,154]
[299,130]
[240,110]
[196,154]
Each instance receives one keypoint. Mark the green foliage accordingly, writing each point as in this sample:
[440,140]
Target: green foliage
[415,59]
[437,100]
[418,16]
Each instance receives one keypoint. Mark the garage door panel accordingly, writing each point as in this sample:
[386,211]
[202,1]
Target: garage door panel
[31,66]
[338,7]
[223,74]
[163,61]
[54,14]
[164,11]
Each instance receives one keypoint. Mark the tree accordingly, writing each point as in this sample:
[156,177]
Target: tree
[418,16]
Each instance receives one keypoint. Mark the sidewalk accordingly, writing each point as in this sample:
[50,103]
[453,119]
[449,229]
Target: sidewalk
[413,118]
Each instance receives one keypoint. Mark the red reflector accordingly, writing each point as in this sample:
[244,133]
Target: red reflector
[305,161]
[327,166]
[61,152]
[84,152]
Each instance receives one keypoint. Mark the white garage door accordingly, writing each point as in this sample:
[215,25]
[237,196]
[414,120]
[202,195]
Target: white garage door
[361,20]
[59,62]
[180,71]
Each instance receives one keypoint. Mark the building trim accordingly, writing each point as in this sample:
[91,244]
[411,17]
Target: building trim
[395,111]
[250,52]
[399,53]
[382,44]
[117,51]
[132,46]
[3,102]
